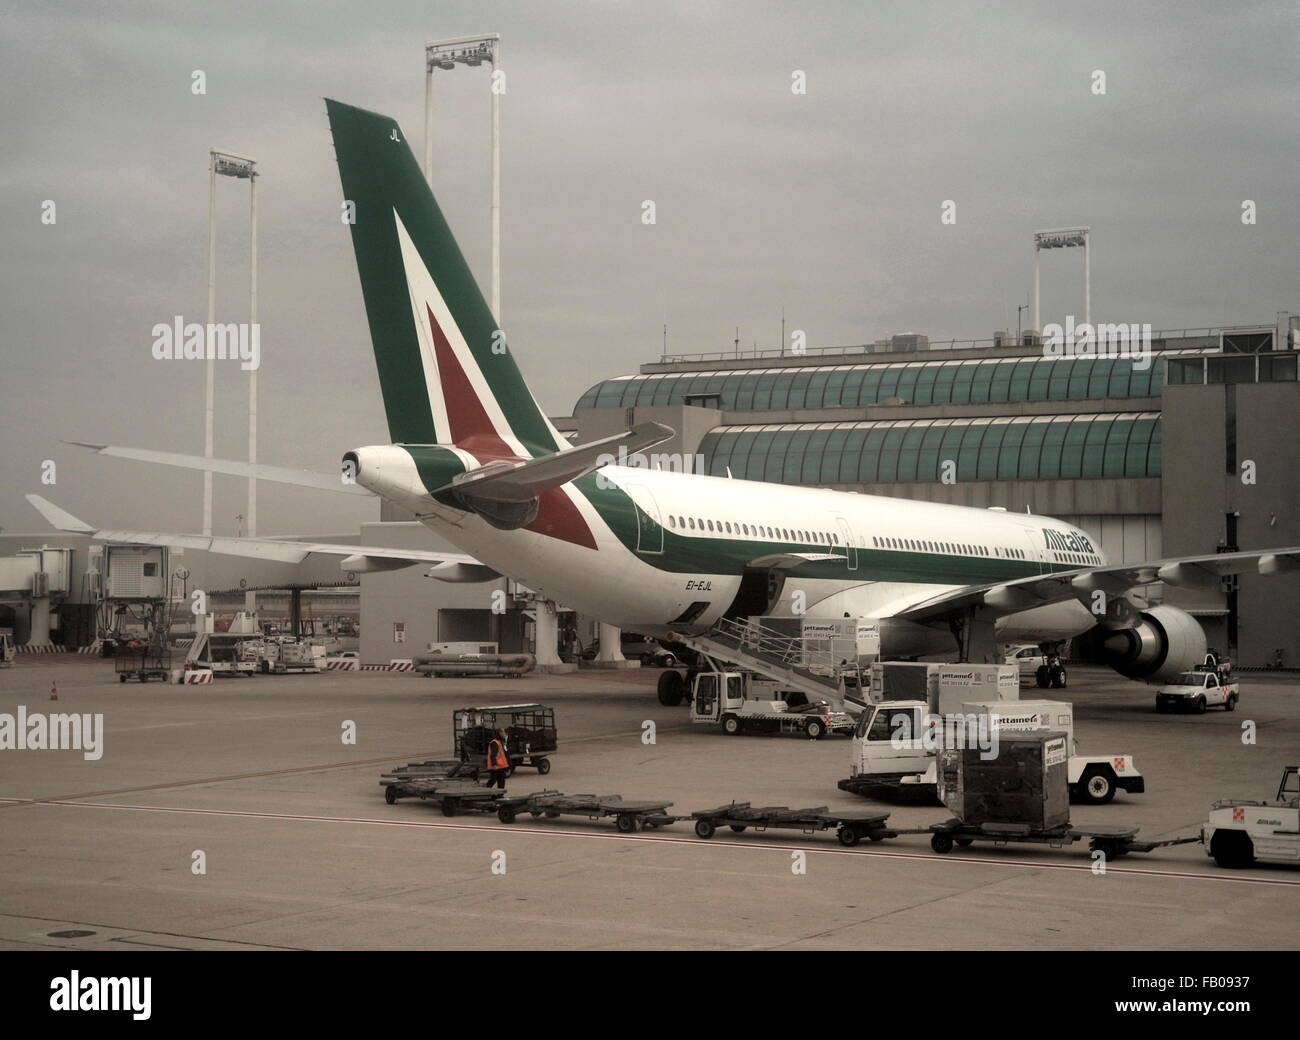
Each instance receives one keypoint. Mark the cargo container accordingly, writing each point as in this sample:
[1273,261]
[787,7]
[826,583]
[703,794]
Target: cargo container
[1025,782]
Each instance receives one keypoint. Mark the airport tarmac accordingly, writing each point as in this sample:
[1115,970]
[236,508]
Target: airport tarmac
[302,852]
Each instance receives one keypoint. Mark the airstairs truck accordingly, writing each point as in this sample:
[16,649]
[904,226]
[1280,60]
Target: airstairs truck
[894,748]
[743,702]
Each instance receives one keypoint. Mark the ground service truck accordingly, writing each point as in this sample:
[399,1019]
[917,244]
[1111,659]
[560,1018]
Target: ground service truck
[894,746]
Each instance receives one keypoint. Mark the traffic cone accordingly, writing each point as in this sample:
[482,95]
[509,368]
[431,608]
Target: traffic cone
[54,691]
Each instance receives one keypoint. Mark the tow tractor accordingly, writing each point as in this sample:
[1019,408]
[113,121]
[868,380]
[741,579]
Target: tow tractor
[1240,833]
[742,702]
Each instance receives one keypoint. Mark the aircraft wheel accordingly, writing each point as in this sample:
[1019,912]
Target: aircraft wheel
[671,689]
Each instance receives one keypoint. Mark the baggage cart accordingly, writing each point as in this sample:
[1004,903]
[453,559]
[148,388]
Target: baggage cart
[145,663]
[629,816]
[530,733]
[1113,840]
[850,826]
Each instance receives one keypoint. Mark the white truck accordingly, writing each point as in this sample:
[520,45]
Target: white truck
[1240,833]
[1198,690]
[297,656]
[894,752]
[743,702]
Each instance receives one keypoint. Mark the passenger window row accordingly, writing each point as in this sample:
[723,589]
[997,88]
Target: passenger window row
[805,537]
[949,548]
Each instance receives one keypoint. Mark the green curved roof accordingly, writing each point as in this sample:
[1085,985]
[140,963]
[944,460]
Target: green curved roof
[916,382]
[1040,447]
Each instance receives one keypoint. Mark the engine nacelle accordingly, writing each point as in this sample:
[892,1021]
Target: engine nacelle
[1164,642]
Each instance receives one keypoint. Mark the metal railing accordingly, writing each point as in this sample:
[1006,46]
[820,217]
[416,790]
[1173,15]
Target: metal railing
[797,654]
[934,344]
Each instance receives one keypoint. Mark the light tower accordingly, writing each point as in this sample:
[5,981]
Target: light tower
[1063,238]
[446,55]
[229,164]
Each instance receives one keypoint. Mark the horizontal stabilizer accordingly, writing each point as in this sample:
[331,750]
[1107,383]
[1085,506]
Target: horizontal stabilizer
[272,474]
[508,480]
[356,557]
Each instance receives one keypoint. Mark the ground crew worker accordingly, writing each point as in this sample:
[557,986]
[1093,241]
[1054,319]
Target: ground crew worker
[498,760]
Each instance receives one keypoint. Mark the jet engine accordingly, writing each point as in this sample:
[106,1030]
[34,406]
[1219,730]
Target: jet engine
[1164,642]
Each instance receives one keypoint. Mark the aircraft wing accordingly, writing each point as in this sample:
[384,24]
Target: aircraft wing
[1081,583]
[364,558]
[273,474]
[506,480]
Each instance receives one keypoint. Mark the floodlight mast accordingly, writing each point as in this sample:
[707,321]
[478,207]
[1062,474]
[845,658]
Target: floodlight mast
[1064,238]
[241,167]
[474,51]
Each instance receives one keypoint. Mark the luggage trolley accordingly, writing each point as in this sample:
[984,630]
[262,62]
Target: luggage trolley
[530,733]
[143,663]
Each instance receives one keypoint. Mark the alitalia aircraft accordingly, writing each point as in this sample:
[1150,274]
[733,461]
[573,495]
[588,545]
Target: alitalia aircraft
[476,459]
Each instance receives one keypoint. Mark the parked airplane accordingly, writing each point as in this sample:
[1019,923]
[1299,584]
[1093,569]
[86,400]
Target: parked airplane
[475,458]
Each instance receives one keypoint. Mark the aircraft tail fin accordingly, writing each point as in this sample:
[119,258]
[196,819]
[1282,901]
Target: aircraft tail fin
[445,369]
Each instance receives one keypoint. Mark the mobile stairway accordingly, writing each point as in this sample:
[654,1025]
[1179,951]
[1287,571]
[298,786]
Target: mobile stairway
[796,663]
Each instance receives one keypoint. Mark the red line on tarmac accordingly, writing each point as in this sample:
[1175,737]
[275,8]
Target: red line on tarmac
[664,839]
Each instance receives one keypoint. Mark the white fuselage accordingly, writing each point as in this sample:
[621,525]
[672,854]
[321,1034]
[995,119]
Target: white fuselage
[896,552]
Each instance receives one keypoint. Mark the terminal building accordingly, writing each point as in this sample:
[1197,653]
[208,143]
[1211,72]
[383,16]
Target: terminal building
[1186,451]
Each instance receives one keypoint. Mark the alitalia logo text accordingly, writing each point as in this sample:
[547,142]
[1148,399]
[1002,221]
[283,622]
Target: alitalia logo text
[1067,542]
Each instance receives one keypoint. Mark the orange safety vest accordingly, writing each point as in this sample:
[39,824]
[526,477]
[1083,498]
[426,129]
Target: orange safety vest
[496,755]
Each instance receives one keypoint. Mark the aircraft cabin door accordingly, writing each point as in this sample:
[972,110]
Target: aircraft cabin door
[846,535]
[1035,553]
[649,525]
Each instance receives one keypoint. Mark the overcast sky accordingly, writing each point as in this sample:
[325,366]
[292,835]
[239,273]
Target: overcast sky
[827,203]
